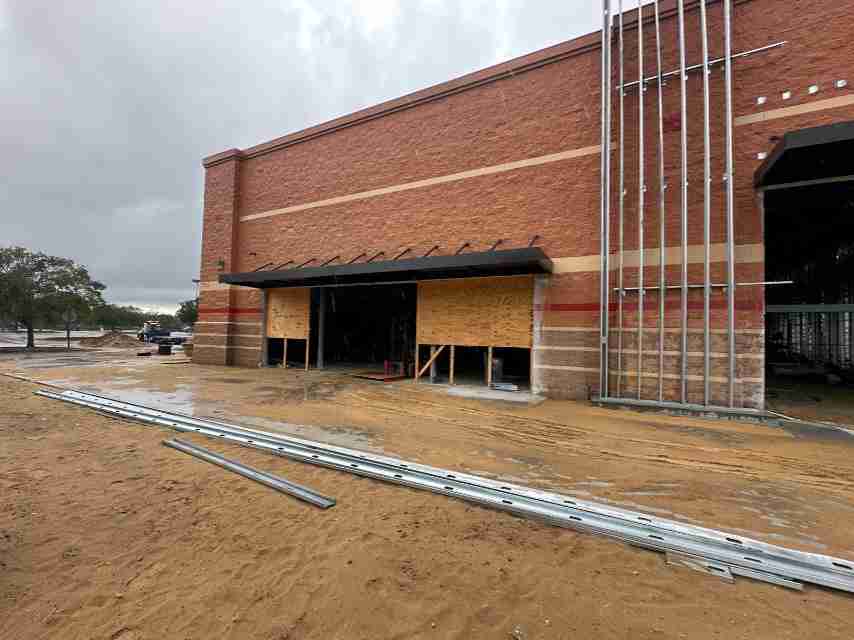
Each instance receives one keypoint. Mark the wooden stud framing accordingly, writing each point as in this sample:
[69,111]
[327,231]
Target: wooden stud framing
[489,366]
[429,362]
[417,349]
[285,354]
[451,375]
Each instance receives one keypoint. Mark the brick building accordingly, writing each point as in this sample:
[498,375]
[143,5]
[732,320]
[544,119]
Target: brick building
[467,214]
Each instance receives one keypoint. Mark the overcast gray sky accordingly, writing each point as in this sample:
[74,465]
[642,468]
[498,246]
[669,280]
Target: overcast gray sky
[109,106]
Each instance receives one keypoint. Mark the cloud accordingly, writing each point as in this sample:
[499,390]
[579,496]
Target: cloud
[110,106]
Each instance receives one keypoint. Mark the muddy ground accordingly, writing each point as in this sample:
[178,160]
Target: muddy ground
[105,533]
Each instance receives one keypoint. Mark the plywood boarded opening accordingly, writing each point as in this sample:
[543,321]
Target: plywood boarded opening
[288,313]
[480,318]
[288,325]
[477,312]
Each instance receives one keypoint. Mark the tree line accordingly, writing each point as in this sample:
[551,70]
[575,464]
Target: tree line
[43,291]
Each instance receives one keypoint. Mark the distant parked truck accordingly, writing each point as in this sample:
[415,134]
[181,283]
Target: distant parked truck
[152,332]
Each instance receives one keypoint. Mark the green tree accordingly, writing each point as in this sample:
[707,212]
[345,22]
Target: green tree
[188,312]
[37,287]
[111,316]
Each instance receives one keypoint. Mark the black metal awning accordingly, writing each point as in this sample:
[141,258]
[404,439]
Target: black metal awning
[467,265]
[808,155]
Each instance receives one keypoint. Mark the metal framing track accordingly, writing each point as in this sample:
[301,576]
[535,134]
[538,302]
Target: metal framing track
[739,555]
[262,477]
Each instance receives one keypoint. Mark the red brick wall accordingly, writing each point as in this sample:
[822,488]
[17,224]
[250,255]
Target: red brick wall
[549,105]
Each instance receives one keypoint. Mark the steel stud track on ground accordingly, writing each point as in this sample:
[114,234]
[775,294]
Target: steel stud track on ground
[742,556]
[262,477]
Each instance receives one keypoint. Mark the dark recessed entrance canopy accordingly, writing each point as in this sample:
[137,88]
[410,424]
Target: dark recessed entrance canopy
[467,265]
[817,153]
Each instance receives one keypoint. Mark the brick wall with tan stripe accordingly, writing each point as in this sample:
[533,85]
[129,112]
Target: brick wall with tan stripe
[511,153]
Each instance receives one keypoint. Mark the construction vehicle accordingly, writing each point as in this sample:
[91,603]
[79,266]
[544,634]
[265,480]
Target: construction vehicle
[152,332]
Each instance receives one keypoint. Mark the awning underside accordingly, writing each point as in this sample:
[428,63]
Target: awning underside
[510,262]
[809,154]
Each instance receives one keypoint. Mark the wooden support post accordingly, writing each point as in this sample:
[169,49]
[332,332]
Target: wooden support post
[430,361]
[451,376]
[417,349]
[432,364]
[265,358]
[285,353]
[531,369]
[321,328]
[307,346]
[489,366]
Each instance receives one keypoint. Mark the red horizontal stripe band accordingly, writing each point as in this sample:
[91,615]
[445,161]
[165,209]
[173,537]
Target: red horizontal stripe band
[670,306]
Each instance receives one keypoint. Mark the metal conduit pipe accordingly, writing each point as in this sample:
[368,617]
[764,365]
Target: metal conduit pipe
[707,205]
[683,81]
[662,187]
[641,194]
[605,228]
[730,198]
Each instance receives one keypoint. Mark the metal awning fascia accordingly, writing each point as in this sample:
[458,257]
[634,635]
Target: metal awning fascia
[803,138]
[530,260]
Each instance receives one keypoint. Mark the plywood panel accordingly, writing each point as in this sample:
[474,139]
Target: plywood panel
[288,312]
[477,312]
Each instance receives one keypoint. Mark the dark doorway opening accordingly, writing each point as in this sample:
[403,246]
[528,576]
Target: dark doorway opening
[510,366]
[275,351]
[292,348]
[368,326]
[809,332]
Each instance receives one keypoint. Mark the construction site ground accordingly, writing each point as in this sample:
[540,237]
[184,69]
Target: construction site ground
[105,533]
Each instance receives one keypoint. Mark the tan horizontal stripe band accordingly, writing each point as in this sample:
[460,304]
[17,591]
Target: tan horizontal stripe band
[676,376]
[558,367]
[634,330]
[757,332]
[796,110]
[214,286]
[429,182]
[744,253]
[691,354]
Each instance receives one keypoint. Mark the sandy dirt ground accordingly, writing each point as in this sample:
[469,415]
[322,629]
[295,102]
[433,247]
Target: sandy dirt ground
[105,533]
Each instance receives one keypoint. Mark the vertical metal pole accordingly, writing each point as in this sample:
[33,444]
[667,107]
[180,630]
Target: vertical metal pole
[730,198]
[641,192]
[707,206]
[604,224]
[662,187]
[622,189]
[683,80]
